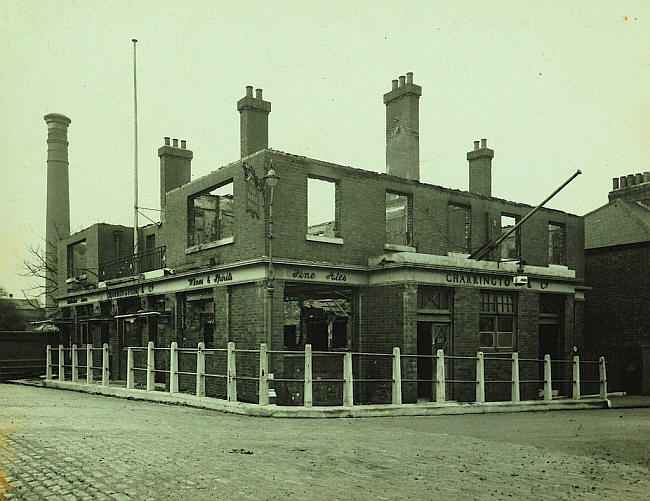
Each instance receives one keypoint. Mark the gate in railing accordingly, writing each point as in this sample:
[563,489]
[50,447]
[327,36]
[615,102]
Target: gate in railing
[243,374]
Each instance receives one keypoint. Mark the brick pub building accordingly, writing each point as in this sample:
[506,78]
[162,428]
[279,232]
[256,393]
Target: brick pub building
[389,266]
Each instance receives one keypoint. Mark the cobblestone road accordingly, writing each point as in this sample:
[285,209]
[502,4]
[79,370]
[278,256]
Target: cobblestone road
[62,445]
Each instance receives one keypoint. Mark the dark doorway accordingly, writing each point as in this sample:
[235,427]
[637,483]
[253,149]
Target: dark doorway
[549,341]
[425,364]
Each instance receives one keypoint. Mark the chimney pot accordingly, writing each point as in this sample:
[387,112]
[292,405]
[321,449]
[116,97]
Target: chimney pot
[409,77]
[623,182]
[646,177]
[630,179]
[183,143]
[175,142]
[249,91]
[402,80]
[476,146]
[394,84]
[483,143]
[615,183]
[638,179]
[167,139]
[258,93]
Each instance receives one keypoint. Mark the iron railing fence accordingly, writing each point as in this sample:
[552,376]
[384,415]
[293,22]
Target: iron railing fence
[147,260]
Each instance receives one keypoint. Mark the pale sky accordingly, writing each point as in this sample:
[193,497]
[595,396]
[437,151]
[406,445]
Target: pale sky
[553,86]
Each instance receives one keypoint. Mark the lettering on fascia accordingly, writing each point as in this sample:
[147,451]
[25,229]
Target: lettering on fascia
[335,276]
[136,290]
[304,275]
[209,280]
[487,280]
[332,276]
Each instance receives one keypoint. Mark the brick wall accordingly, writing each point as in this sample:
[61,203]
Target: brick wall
[617,310]
[362,205]
[248,230]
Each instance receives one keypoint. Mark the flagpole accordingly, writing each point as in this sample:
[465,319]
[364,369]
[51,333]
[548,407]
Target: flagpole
[135,172]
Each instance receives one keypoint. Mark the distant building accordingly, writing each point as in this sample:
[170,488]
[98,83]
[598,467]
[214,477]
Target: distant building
[617,316]
[389,269]
[25,312]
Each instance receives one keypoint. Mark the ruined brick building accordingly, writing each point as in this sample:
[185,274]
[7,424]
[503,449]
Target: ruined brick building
[389,268]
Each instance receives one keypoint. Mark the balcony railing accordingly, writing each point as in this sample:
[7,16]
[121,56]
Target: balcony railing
[135,263]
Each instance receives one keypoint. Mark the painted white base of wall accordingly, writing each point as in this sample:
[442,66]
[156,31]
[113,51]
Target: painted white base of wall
[247,409]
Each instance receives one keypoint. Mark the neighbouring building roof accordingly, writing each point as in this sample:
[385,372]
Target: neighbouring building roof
[617,223]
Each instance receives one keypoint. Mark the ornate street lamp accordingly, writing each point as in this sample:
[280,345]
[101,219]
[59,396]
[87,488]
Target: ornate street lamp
[271,180]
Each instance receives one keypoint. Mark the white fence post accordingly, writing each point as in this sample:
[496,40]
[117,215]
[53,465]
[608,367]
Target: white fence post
[348,388]
[129,369]
[308,399]
[173,367]
[514,393]
[151,366]
[576,377]
[75,364]
[263,388]
[105,371]
[48,363]
[231,389]
[480,378]
[603,377]
[61,360]
[200,370]
[440,376]
[548,384]
[397,377]
[89,364]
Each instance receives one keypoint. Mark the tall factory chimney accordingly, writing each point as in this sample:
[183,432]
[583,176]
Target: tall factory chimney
[57,218]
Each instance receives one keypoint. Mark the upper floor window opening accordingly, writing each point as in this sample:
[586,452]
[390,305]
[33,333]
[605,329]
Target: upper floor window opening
[323,207]
[210,214]
[511,246]
[556,243]
[460,228]
[76,258]
[399,219]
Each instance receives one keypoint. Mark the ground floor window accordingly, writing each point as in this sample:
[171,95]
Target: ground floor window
[320,315]
[497,320]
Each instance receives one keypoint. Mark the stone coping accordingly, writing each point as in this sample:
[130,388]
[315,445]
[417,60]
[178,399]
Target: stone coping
[377,410]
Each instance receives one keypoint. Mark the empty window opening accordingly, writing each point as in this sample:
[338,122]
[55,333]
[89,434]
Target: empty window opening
[398,219]
[322,208]
[210,215]
[322,317]
[460,228]
[556,243]
[76,258]
[511,246]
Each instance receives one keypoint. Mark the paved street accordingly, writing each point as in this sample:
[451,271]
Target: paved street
[63,445]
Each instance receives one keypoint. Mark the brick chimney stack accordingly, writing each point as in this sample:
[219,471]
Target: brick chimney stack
[403,128]
[175,168]
[57,218]
[254,122]
[632,187]
[480,169]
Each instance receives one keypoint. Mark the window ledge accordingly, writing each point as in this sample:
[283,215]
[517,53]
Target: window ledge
[399,248]
[324,240]
[210,245]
